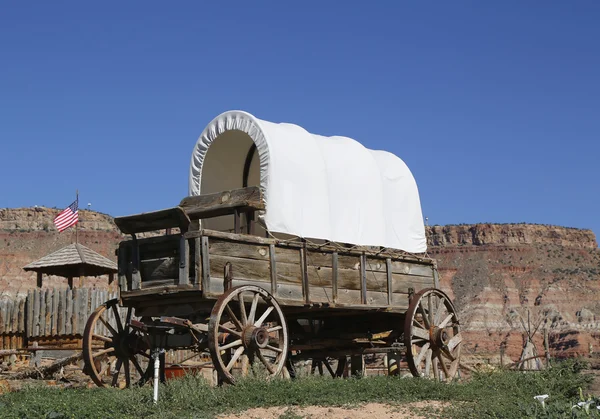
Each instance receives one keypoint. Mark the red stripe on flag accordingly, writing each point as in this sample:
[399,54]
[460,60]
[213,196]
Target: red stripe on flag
[67,217]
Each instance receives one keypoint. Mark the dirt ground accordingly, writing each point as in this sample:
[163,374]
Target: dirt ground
[418,410]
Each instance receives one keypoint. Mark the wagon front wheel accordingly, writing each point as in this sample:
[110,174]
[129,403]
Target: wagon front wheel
[432,336]
[114,354]
[247,326]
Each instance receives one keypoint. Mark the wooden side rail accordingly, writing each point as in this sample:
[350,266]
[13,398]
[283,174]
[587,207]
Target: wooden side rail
[223,203]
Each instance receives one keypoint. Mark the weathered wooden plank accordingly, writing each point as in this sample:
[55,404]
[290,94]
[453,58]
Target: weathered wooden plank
[222,203]
[198,260]
[74,314]
[206,268]
[259,270]
[388,273]
[8,310]
[155,220]
[29,304]
[85,309]
[240,250]
[3,310]
[334,276]
[14,327]
[379,265]
[184,259]
[42,318]
[304,275]
[60,318]
[319,248]
[22,315]
[69,312]
[273,261]
[37,295]
[48,316]
[55,300]
[363,279]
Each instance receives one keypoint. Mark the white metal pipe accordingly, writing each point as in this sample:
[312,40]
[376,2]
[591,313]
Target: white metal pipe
[156,371]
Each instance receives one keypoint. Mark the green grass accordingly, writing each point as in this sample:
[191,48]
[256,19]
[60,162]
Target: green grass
[489,395]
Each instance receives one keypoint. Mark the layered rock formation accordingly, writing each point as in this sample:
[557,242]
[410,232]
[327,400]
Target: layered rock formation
[507,279]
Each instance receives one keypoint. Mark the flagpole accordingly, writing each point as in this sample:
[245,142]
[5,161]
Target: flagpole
[76,200]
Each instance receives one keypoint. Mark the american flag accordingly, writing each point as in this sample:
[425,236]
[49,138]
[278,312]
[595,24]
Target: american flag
[67,217]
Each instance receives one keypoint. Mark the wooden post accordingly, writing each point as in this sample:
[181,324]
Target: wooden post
[273,269]
[388,270]
[205,266]
[304,272]
[334,276]
[184,257]
[363,278]
[70,282]
[39,280]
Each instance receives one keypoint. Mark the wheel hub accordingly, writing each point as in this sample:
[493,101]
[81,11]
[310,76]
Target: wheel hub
[255,337]
[439,337]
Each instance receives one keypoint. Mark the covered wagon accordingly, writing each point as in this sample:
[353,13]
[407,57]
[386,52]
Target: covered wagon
[289,246]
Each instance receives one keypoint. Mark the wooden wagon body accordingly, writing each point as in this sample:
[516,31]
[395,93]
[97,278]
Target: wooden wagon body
[250,298]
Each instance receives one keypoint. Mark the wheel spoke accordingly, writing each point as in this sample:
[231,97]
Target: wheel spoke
[115,310]
[454,342]
[127,374]
[447,354]
[417,324]
[108,326]
[434,361]
[328,366]
[136,365]
[274,349]
[423,315]
[274,329]
[102,338]
[252,314]
[116,373]
[430,310]
[230,331]
[443,364]
[265,362]
[239,351]
[262,318]
[445,322]
[233,344]
[424,350]
[243,310]
[128,319]
[103,352]
[440,310]
[234,318]
[427,362]
[420,333]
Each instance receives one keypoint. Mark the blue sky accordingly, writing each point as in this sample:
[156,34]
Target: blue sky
[495,106]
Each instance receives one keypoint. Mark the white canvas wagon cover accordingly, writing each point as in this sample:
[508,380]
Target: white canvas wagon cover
[330,188]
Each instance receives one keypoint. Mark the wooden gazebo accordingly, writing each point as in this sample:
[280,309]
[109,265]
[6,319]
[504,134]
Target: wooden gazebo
[74,260]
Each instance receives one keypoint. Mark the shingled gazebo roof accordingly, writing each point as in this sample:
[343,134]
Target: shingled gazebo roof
[72,261]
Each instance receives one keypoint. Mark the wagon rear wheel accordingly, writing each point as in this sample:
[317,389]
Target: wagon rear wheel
[114,353]
[247,325]
[432,336]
